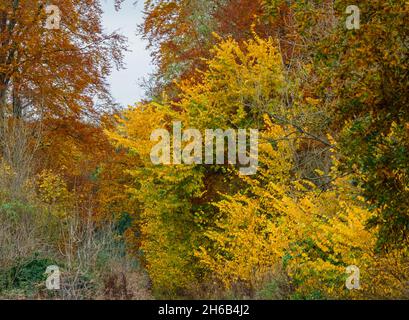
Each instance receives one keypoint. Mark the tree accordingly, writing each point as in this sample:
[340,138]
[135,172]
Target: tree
[239,86]
[53,85]
[180,34]
[54,72]
[365,75]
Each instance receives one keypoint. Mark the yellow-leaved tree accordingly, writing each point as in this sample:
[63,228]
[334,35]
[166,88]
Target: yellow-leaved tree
[281,228]
[240,84]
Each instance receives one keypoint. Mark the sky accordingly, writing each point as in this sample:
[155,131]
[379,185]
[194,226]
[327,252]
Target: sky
[126,84]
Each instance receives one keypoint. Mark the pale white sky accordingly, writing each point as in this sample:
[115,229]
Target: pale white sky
[125,84]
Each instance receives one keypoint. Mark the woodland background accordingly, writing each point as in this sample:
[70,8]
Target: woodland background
[78,189]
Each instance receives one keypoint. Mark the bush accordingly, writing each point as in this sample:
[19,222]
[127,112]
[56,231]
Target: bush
[25,276]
